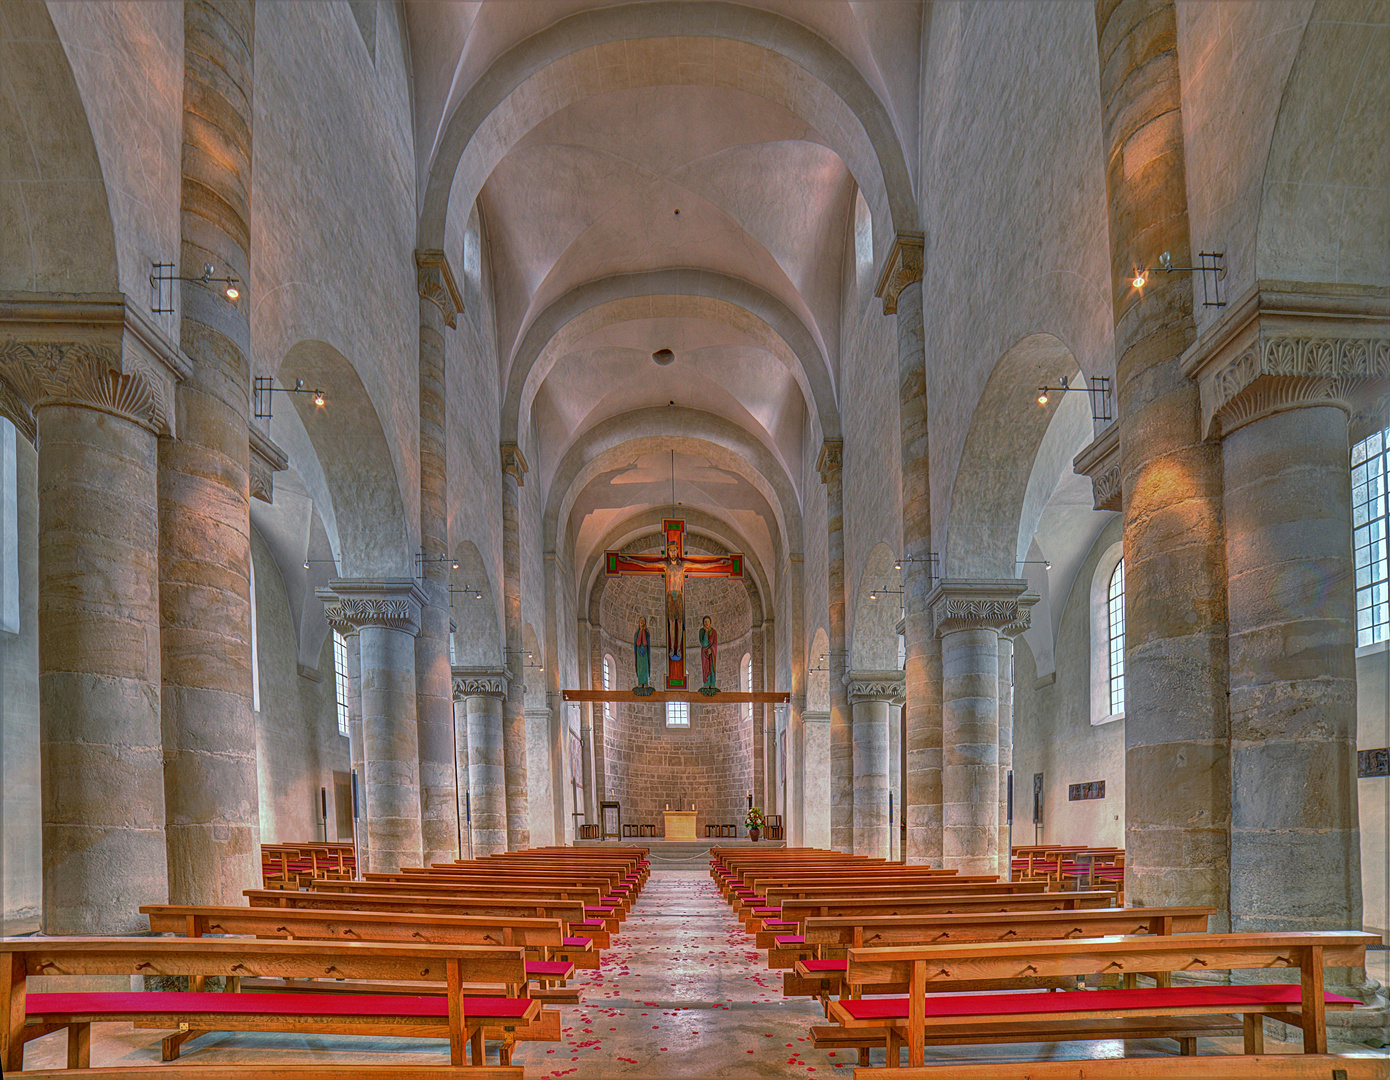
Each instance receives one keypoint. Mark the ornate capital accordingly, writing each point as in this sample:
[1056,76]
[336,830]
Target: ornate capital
[1286,347]
[1003,605]
[93,351]
[481,682]
[393,603]
[886,686]
[514,463]
[333,613]
[903,267]
[1101,462]
[267,459]
[831,460]
[435,281]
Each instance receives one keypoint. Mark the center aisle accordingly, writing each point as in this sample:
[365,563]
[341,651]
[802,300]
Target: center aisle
[682,993]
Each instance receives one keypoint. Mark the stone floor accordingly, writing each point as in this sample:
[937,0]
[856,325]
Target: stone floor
[682,993]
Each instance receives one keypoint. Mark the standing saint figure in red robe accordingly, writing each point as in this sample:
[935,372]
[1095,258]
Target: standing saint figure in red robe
[709,650]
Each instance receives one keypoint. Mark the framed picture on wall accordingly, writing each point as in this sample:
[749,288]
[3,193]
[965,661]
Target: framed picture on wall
[1037,798]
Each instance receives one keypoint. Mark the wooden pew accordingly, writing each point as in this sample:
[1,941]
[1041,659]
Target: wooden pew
[201,1071]
[931,1012]
[462,1020]
[796,912]
[1226,1067]
[610,895]
[569,912]
[604,915]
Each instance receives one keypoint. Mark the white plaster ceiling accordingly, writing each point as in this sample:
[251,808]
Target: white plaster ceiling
[646,481]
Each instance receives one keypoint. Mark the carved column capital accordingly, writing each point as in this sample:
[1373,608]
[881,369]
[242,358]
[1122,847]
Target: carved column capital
[1285,347]
[1100,460]
[831,460]
[903,266]
[93,351]
[494,682]
[514,463]
[435,281]
[889,686]
[333,613]
[393,603]
[267,459]
[1002,605]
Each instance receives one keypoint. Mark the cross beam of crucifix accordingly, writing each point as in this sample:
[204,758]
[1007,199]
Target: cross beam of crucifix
[675,566]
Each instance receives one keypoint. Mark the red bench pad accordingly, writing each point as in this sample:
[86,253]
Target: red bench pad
[825,965]
[791,939]
[163,1002]
[548,969]
[1176,999]
[592,924]
[577,942]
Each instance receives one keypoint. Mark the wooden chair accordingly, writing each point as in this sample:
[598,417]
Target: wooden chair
[1226,1066]
[773,825]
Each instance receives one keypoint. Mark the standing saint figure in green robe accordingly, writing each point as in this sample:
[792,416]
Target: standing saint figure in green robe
[709,652]
[642,653]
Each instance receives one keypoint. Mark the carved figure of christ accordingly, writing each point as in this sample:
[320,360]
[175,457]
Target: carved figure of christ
[675,566]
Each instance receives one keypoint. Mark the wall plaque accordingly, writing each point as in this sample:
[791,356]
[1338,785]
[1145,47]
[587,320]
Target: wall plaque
[1092,789]
[1373,762]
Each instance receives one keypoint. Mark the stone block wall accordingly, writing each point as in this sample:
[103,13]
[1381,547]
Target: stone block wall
[648,765]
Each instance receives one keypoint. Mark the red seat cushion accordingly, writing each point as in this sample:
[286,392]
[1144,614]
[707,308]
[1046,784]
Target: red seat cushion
[548,969]
[1176,999]
[612,899]
[767,911]
[577,942]
[778,922]
[598,911]
[163,1002]
[824,965]
[791,939]
[592,924]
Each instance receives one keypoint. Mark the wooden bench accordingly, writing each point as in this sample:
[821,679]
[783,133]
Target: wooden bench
[931,1012]
[1226,1067]
[605,915]
[569,912]
[464,1021]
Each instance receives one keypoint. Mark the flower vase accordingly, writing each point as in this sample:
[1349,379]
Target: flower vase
[754,834]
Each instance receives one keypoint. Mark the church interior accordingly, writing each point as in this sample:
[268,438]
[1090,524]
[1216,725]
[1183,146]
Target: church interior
[703,539]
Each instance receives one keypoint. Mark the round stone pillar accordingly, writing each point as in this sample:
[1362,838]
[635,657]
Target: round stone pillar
[844,771]
[1006,748]
[1278,381]
[969,617]
[95,401]
[514,471]
[387,615]
[333,612]
[871,695]
[479,693]
[900,287]
[99,672]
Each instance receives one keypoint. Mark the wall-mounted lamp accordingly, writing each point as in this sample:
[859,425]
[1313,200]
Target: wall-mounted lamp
[932,559]
[875,593]
[264,389]
[162,277]
[308,561]
[1212,269]
[1046,564]
[421,559]
[1097,389]
[476,594]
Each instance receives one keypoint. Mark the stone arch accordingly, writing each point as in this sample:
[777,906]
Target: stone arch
[56,229]
[1007,429]
[644,430]
[669,43]
[478,637]
[697,523]
[1326,181]
[818,672]
[669,294]
[373,535]
[874,632]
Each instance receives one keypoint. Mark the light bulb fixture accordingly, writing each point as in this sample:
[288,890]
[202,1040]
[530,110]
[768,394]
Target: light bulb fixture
[873,595]
[263,391]
[1212,269]
[1046,564]
[478,595]
[1042,397]
[898,565]
[308,562]
[421,559]
[163,276]
[1045,392]
[662,357]
[1097,389]
[455,564]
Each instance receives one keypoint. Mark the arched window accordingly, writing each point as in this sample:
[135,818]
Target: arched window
[1115,619]
[607,686]
[1368,538]
[340,680]
[748,685]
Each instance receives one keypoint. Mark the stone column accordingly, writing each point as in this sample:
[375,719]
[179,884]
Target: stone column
[796,593]
[1177,757]
[333,612]
[1006,745]
[387,617]
[211,792]
[842,767]
[969,616]
[480,691]
[583,650]
[440,304]
[1279,376]
[871,695]
[769,718]
[514,469]
[596,715]
[900,286]
[97,400]
[755,713]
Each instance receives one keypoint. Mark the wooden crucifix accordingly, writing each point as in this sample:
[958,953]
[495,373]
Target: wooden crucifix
[675,566]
